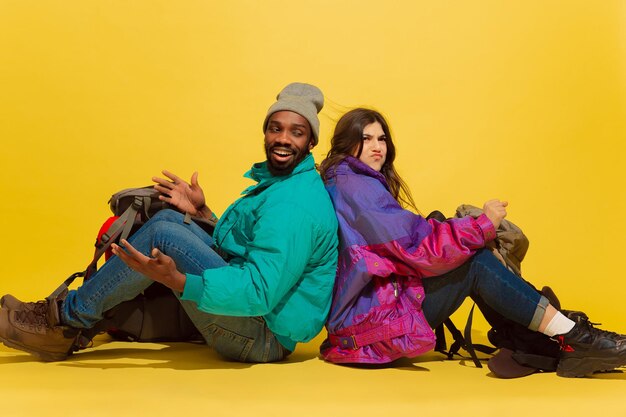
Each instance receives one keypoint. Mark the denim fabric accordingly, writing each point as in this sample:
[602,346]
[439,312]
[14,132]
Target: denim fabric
[245,339]
[486,281]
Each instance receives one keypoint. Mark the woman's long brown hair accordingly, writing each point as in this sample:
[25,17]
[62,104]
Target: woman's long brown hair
[348,138]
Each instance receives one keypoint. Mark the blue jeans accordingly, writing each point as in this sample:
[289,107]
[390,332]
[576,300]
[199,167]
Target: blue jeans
[487,282]
[245,339]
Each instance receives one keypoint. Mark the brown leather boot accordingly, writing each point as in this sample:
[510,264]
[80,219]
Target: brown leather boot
[36,328]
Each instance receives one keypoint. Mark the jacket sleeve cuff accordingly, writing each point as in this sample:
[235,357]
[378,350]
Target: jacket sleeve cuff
[193,288]
[489,232]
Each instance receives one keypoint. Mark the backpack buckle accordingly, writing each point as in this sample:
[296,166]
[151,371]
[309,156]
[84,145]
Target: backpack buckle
[137,203]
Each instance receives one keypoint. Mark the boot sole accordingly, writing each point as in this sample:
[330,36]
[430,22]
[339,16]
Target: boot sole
[580,367]
[42,355]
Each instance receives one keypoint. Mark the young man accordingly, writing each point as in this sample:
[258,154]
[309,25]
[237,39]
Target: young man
[271,287]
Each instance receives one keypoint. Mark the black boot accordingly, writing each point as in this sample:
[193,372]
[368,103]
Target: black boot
[585,349]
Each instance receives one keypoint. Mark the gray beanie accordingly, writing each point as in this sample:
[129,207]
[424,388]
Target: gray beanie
[305,99]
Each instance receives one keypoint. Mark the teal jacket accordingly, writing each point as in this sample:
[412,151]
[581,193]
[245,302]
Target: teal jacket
[281,242]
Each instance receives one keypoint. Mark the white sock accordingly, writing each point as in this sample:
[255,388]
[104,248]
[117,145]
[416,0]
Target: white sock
[558,325]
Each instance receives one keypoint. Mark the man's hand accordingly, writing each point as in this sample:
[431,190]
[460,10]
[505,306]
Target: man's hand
[159,267]
[495,210]
[188,198]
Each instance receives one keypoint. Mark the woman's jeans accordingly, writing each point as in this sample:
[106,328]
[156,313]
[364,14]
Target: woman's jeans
[245,339]
[491,285]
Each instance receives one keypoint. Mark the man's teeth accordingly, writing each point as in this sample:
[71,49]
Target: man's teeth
[282,153]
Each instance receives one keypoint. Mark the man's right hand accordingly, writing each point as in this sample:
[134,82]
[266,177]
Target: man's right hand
[495,210]
[188,198]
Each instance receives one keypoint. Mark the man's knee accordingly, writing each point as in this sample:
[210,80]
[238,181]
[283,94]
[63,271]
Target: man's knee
[167,215]
[165,226]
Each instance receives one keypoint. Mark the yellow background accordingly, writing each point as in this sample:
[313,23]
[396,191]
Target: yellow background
[524,101]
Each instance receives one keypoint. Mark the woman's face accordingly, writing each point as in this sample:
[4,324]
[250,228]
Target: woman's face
[374,150]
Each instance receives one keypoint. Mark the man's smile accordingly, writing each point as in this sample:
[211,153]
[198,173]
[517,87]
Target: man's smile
[282,153]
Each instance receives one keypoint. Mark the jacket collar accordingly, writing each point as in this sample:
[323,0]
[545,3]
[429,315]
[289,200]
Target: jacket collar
[264,178]
[353,165]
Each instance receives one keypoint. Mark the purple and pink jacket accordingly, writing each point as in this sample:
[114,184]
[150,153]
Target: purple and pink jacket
[384,253]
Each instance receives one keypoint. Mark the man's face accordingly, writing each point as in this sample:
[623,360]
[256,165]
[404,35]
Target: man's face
[287,141]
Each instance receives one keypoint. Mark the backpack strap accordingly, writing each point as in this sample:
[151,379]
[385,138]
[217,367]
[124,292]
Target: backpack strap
[126,221]
[62,289]
[461,340]
[119,228]
[468,339]
[441,345]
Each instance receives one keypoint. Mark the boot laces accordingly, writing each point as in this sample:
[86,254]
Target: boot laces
[35,314]
[595,332]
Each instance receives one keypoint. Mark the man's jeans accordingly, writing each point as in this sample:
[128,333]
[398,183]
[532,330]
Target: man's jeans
[245,339]
[488,283]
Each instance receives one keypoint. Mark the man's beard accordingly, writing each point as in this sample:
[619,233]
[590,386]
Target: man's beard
[282,169]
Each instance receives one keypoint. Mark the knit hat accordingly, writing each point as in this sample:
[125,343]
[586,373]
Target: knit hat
[304,99]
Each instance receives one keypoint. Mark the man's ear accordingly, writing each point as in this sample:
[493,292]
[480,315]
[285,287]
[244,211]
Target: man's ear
[311,145]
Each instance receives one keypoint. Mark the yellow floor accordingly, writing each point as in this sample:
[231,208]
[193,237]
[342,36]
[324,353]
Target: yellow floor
[128,379]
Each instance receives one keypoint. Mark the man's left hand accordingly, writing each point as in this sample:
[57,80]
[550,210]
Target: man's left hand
[187,197]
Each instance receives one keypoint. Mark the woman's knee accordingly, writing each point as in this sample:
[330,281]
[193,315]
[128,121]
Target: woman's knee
[485,258]
[484,255]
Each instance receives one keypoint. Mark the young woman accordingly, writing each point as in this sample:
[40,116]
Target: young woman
[400,275]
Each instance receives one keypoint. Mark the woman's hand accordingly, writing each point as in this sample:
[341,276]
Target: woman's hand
[188,198]
[160,267]
[495,210]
